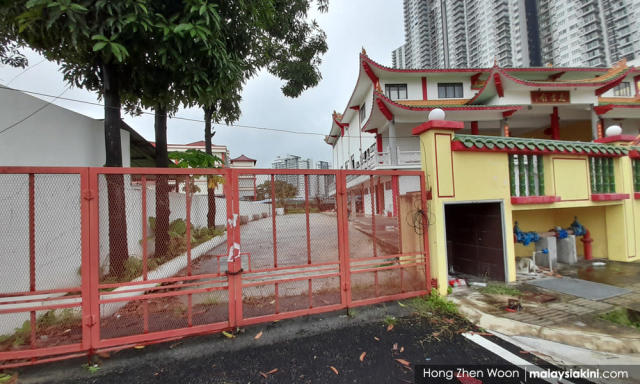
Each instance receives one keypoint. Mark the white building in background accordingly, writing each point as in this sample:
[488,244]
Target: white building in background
[399,57]
[318,184]
[246,183]
[38,133]
[519,33]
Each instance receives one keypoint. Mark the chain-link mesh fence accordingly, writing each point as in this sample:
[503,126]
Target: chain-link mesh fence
[41,253]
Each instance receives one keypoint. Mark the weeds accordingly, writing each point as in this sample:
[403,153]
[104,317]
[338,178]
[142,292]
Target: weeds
[211,299]
[390,320]
[622,317]
[92,368]
[500,289]
[427,306]
[351,312]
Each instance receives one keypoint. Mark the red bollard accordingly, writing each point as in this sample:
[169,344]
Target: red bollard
[587,240]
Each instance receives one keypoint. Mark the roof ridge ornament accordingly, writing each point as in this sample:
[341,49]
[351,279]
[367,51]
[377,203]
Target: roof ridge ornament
[364,52]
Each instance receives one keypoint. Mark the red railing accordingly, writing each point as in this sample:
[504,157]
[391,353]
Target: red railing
[330,247]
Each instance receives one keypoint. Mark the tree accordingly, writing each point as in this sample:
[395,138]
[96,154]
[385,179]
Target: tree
[193,158]
[91,40]
[283,191]
[160,54]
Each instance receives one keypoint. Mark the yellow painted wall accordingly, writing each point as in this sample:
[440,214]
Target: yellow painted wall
[469,183]
[484,176]
[570,177]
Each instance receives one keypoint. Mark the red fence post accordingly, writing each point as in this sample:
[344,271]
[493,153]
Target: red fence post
[92,269]
[343,238]
[425,231]
[231,224]
[145,251]
[187,192]
[32,252]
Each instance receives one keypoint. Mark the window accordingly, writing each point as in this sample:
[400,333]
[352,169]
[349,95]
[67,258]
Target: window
[396,91]
[362,113]
[449,90]
[622,89]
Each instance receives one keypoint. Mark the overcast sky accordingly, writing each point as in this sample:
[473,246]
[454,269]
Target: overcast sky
[376,25]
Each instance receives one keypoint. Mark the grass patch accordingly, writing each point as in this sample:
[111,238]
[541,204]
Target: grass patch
[500,289]
[429,305]
[61,318]
[293,211]
[622,316]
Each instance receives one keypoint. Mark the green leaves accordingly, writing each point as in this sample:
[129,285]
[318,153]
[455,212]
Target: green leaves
[110,47]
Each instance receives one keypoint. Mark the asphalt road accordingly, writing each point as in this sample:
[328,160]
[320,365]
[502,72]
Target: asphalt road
[319,349]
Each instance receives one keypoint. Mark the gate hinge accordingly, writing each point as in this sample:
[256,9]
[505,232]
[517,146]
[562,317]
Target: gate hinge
[90,320]
[88,194]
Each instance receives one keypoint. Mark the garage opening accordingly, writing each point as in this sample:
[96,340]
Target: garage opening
[475,243]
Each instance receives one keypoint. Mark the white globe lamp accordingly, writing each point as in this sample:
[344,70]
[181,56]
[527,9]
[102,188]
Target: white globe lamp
[436,114]
[613,130]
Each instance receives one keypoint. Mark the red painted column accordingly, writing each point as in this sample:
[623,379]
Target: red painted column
[474,128]
[555,124]
[636,82]
[378,142]
[424,89]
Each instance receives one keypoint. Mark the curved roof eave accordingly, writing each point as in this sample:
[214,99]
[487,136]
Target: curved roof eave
[557,84]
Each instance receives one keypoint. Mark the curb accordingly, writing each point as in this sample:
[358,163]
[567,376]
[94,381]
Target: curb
[574,337]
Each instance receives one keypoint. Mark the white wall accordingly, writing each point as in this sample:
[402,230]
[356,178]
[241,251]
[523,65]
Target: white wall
[54,136]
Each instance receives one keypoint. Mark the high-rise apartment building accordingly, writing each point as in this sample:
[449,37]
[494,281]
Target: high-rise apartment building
[470,33]
[589,32]
[519,33]
[399,57]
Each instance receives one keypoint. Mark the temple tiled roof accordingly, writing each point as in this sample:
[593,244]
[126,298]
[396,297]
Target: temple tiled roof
[508,144]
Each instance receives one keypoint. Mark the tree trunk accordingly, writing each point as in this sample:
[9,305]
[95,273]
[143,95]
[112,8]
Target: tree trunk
[162,184]
[118,245]
[211,192]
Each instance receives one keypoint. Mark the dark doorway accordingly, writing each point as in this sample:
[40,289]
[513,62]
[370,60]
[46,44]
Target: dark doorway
[474,239]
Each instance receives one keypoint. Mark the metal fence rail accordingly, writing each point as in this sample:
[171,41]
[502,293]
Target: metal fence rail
[107,258]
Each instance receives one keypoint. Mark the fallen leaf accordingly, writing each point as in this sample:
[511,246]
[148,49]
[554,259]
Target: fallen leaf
[401,304]
[389,327]
[525,352]
[266,374]
[156,374]
[375,338]
[401,349]
[362,355]
[104,355]
[228,335]
[436,334]
[395,346]
[259,335]
[403,362]
[334,370]
[482,333]
[272,302]
[139,347]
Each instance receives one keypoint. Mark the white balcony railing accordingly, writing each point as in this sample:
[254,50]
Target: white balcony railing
[383,159]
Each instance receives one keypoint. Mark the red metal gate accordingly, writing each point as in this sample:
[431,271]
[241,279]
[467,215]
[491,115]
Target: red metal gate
[271,244]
